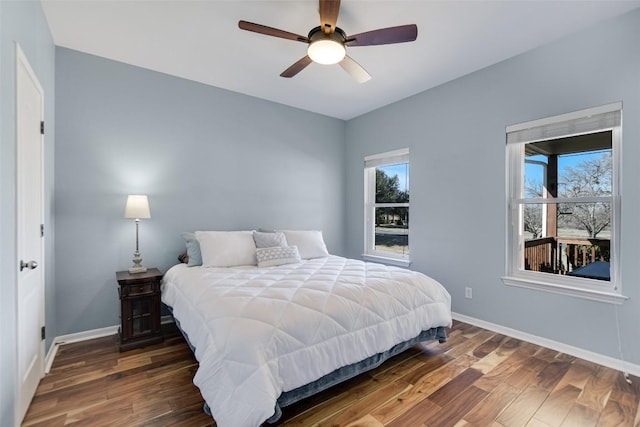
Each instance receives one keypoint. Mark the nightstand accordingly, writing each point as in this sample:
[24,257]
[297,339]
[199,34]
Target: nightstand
[139,308]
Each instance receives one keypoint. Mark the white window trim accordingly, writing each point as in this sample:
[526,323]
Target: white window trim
[405,263]
[370,163]
[607,117]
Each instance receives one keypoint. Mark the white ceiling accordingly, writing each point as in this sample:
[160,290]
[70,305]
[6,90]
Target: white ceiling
[200,40]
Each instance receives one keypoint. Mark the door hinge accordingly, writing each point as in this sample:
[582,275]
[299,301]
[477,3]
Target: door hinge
[42,127]
[42,334]
[41,230]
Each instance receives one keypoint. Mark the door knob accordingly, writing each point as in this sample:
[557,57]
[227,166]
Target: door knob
[30,265]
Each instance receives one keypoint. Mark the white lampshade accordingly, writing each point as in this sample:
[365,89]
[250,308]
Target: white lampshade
[326,51]
[137,207]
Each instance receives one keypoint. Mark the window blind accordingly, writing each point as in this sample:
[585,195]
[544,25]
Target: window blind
[576,123]
[391,158]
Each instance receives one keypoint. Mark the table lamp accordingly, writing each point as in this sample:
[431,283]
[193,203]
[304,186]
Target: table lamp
[137,208]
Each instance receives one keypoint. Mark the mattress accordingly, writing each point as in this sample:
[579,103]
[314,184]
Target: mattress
[261,332]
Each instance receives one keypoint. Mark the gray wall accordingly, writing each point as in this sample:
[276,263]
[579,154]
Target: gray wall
[456,136]
[22,22]
[208,159]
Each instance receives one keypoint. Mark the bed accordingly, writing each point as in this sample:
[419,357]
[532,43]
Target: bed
[268,336]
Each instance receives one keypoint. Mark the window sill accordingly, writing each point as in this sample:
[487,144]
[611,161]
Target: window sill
[404,263]
[594,295]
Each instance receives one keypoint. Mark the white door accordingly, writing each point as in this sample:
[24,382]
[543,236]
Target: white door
[30,197]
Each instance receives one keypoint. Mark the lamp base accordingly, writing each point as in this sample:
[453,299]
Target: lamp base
[137,264]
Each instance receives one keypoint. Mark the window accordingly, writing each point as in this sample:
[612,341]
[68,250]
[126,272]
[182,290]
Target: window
[386,186]
[563,204]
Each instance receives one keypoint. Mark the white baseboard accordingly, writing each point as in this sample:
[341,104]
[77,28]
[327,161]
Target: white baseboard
[610,362]
[77,337]
[51,355]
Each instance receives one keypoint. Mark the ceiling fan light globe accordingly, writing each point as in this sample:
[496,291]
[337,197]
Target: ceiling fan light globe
[326,51]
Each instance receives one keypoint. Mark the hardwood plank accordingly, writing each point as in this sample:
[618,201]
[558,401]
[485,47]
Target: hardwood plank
[521,410]
[455,387]
[456,408]
[581,416]
[416,415]
[536,423]
[500,373]
[491,360]
[620,410]
[546,354]
[556,407]
[598,388]
[469,344]
[58,421]
[191,416]
[526,374]
[578,374]
[420,390]
[367,404]
[472,331]
[488,346]
[552,374]
[491,407]
[366,421]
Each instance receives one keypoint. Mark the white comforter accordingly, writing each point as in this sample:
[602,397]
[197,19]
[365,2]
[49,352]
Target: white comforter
[260,331]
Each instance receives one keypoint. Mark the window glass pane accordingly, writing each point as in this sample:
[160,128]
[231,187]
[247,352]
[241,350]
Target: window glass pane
[532,221]
[577,245]
[535,170]
[578,166]
[585,220]
[392,230]
[392,183]
[585,174]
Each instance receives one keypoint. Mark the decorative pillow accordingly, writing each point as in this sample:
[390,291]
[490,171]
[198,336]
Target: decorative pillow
[194,256]
[267,230]
[227,248]
[269,240]
[309,242]
[278,255]
[183,258]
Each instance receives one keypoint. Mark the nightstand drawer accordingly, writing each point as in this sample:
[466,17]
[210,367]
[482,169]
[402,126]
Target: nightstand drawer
[137,290]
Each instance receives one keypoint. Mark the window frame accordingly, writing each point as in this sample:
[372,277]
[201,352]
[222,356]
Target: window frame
[591,120]
[371,162]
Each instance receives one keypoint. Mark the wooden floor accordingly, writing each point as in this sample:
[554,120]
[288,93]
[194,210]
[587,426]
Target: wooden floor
[477,378]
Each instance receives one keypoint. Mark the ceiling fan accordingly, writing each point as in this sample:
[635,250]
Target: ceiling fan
[327,43]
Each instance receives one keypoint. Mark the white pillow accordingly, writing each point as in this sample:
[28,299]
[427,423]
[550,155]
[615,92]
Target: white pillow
[277,255]
[309,242]
[227,248]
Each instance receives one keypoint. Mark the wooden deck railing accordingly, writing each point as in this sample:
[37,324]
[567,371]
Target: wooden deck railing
[561,255]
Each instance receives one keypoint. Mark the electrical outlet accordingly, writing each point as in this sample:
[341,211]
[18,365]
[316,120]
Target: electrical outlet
[468,293]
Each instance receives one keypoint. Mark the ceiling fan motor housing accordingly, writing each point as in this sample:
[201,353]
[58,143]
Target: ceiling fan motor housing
[338,35]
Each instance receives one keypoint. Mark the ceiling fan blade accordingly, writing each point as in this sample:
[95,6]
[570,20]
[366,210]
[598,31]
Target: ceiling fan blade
[300,65]
[329,10]
[354,69]
[269,31]
[401,34]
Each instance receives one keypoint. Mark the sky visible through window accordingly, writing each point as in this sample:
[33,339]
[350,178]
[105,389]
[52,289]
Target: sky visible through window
[534,173]
[401,171]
